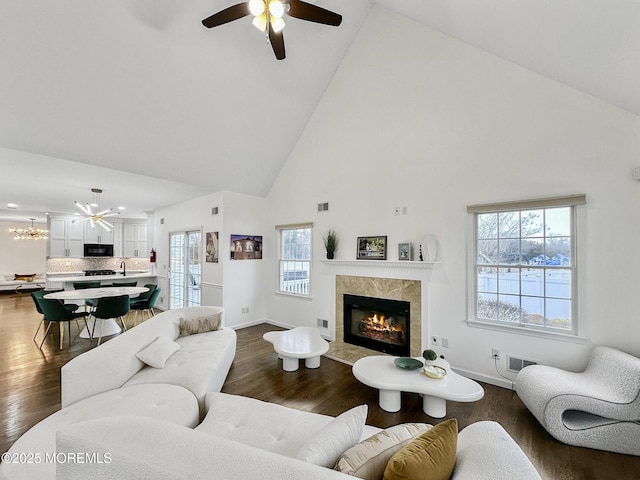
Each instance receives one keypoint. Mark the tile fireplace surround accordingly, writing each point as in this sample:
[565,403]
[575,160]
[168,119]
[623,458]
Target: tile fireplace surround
[389,288]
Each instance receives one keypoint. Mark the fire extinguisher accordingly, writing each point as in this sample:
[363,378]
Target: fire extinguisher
[152,259]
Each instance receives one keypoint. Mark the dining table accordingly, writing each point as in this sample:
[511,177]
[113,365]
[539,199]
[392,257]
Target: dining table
[111,327]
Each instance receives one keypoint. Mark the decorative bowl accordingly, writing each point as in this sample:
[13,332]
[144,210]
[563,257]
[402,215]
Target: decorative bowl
[434,371]
[408,363]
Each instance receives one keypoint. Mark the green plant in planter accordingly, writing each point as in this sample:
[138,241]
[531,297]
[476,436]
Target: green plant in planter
[330,243]
[430,355]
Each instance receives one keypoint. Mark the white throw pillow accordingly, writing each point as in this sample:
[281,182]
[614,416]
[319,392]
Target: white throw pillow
[368,459]
[343,432]
[157,353]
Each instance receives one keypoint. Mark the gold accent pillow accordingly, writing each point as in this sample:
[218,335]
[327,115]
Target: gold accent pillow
[431,456]
[191,326]
[368,458]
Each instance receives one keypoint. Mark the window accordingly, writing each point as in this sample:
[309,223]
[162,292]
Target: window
[295,259]
[525,264]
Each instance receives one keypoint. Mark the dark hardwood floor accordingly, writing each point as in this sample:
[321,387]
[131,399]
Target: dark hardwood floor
[30,391]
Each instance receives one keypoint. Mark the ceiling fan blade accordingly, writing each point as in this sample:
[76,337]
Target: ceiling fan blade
[312,13]
[277,42]
[227,15]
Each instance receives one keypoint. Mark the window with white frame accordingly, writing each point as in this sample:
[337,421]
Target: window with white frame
[294,272]
[524,263]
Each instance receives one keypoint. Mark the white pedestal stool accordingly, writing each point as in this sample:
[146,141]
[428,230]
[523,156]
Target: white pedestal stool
[298,343]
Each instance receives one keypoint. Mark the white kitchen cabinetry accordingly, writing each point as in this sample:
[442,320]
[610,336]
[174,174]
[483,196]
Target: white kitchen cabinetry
[97,234]
[134,240]
[117,239]
[66,239]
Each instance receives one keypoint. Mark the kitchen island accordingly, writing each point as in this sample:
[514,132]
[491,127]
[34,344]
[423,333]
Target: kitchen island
[66,282]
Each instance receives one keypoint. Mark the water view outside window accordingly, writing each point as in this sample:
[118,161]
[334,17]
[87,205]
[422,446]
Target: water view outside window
[525,268]
[295,260]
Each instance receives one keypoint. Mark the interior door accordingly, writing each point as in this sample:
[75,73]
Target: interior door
[185,269]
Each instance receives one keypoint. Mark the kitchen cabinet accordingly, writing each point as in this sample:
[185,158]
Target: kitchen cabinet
[117,239]
[134,240]
[66,239]
[98,234]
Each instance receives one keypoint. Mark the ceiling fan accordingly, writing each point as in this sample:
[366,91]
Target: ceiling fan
[268,18]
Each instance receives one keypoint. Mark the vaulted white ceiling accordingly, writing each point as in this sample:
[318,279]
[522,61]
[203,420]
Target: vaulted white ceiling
[140,86]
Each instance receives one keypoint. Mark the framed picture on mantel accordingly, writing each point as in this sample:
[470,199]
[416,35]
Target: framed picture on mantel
[372,248]
[404,251]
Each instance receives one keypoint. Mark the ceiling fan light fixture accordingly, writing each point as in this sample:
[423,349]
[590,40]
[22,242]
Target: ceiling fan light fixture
[260,22]
[276,8]
[257,7]
[277,24]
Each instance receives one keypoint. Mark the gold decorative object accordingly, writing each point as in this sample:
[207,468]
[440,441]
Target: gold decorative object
[30,233]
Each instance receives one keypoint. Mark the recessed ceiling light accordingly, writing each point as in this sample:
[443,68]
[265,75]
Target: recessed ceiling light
[122,208]
[12,205]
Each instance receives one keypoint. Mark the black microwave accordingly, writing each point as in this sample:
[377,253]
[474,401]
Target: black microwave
[98,250]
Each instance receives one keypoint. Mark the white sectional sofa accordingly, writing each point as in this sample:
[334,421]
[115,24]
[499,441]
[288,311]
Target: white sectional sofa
[110,380]
[124,420]
[246,439]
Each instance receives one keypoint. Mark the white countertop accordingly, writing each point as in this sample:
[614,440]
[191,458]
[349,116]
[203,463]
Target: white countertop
[95,278]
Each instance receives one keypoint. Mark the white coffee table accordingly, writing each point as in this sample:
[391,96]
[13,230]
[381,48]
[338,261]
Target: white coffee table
[297,344]
[380,372]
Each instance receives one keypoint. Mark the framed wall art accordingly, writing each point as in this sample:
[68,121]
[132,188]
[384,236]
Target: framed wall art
[212,247]
[246,247]
[372,248]
[404,251]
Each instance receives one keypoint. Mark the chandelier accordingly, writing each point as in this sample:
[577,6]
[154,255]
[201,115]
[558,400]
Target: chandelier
[97,217]
[29,233]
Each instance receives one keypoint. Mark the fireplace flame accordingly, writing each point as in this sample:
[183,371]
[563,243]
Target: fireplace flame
[379,327]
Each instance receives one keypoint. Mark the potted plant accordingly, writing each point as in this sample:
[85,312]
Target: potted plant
[429,356]
[330,243]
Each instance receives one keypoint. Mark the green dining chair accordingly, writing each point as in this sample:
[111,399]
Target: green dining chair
[144,296]
[145,306]
[89,302]
[124,284]
[81,285]
[55,312]
[37,296]
[111,307]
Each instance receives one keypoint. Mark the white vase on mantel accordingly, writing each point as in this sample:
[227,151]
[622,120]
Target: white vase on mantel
[429,248]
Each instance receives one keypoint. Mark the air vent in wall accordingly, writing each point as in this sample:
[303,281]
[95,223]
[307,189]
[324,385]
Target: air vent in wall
[214,211]
[323,207]
[515,364]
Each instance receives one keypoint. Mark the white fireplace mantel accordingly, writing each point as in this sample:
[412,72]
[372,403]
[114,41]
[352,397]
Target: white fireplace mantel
[382,263]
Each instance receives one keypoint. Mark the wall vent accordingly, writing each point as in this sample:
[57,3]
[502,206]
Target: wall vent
[323,207]
[162,221]
[515,364]
[322,323]
[214,211]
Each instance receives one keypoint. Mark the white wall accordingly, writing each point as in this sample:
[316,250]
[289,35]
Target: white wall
[233,284]
[244,284]
[193,214]
[415,118]
[21,256]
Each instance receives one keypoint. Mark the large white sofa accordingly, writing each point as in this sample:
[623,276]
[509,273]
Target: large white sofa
[111,381]
[243,438]
[122,419]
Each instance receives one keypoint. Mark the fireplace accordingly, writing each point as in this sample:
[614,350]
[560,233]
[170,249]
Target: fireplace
[377,323]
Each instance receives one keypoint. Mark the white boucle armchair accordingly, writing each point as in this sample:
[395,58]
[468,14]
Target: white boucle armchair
[598,408]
